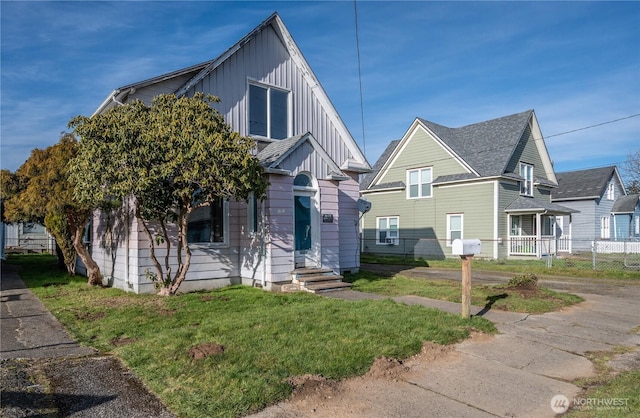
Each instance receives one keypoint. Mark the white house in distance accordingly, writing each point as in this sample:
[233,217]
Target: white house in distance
[310,217]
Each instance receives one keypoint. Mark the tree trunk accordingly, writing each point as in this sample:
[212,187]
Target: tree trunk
[183,224]
[94,277]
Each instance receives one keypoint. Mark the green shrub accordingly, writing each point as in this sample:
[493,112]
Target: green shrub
[527,280]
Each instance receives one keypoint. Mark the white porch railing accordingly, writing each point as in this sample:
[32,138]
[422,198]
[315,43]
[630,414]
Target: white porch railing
[528,245]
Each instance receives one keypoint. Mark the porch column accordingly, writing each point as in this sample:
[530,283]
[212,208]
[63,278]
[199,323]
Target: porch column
[570,233]
[538,235]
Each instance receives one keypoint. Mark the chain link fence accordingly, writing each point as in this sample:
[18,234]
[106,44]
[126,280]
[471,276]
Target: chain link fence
[28,245]
[548,252]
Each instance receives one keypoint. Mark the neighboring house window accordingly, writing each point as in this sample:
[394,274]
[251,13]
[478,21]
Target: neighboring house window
[419,183]
[611,191]
[515,226]
[387,231]
[604,227]
[454,228]
[252,213]
[268,112]
[208,223]
[637,225]
[526,185]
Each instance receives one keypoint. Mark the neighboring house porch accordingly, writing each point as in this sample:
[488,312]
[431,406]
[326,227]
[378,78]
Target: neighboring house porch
[538,228]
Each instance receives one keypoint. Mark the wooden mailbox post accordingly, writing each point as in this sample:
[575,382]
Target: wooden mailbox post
[466,249]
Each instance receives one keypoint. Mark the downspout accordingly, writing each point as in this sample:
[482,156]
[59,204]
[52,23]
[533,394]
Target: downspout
[263,248]
[126,244]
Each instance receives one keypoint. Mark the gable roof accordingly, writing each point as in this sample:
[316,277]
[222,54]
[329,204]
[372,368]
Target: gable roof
[626,204]
[583,184]
[276,152]
[486,146]
[366,181]
[198,72]
[485,149]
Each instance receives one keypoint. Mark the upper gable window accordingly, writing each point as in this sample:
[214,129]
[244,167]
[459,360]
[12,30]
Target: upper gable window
[419,183]
[526,184]
[268,112]
[611,191]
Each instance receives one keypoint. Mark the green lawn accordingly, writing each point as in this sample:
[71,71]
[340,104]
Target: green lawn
[499,297]
[569,267]
[267,337]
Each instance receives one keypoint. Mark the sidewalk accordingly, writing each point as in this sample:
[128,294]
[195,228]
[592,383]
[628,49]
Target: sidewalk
[46,373]
[515,373]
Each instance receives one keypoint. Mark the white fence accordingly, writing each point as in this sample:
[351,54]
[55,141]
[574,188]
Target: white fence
[616,247]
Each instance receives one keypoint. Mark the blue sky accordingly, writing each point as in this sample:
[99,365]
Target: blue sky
[454,63]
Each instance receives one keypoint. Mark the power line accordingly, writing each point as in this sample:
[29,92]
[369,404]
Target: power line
[364,143]
[493,149]
[594,126]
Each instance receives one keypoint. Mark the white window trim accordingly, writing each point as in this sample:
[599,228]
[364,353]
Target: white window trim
[637,225]
[605,226]
[419,170]
[528,182]
[397,238]
[269,87]
[449,216]
[611,191]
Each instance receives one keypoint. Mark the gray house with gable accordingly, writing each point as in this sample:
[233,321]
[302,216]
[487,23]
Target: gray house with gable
[309,218]
[604,211]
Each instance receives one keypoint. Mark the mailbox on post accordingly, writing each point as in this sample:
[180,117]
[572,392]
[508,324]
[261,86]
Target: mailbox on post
[466,247]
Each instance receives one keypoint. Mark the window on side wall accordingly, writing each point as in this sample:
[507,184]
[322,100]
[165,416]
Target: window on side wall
[605,232]
[637,225]
[454,227]
[526,184]
[387,230]
[611,191]
[268,112]
[208,224]
[252,213]
[419,181]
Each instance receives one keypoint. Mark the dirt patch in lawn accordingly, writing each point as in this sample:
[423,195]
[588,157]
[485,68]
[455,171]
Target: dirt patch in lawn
[200,351]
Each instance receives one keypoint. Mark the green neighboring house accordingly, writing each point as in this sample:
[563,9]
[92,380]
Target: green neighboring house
[490,180]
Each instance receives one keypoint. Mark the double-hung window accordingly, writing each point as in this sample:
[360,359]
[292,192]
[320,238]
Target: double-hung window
[605,232]
[208,224]
[268,112]
[526,184]
[454,227]
[419,181]
[387,230]
[611,191]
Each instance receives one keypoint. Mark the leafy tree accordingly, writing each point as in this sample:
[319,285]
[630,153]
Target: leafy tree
[168,158]
[44,194]
[631,169]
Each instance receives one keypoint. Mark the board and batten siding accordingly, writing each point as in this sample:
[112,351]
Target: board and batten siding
[264,59]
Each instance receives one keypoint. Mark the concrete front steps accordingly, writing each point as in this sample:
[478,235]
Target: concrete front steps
[316,280]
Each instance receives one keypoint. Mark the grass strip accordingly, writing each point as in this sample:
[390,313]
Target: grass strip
[500,297]
[267,337]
